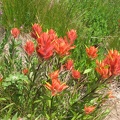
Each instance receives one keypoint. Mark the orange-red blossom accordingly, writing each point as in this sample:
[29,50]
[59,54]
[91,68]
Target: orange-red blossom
[15,32]
[62,46]
[56,86]
[89,109]
[69,64]
[75,74]
[110,66]
[45,47]
[25,71]
[91,52]
[36,31]
[29,47]
[72,35]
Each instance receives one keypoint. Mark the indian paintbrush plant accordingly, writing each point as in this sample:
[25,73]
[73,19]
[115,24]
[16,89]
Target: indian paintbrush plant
[39,80]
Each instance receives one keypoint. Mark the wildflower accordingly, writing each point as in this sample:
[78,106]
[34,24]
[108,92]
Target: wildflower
[56,86]
[110,66]
[69,64]
[113,61]
[72,35]
[15,32]
[92,52]
[62,46]
[29,47]
[54,75]
[25,71]
[89,109]
[52,35]
[102,69]
[45,46]
[37,29]
[75,74]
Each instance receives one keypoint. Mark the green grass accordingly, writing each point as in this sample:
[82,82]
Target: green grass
[18,13]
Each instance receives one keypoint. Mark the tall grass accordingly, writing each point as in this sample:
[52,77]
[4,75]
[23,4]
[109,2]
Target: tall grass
[17,13]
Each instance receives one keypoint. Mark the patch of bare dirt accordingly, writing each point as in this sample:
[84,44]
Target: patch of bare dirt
[114,102]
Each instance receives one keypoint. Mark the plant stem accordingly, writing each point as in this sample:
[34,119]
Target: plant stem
[50,110]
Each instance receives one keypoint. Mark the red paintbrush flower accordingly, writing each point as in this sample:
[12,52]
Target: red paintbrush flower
[113,61]
[69,64]
[36,31]
[75,74]
[56,86]
[25,71]
[102,69]
[45,46]
[72,35]
[89,109]
[29,47]
[54,75]
[62,46]
[15,32]
[91,52]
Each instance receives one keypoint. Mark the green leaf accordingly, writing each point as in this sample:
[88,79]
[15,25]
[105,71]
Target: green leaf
[2,99]
[7,106]
[48,117]
[14,117]
[87,71]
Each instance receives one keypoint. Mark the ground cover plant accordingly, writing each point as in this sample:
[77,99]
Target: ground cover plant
[39,79]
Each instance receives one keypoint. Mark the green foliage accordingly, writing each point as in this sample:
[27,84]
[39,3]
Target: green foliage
[16,79]
[18,13]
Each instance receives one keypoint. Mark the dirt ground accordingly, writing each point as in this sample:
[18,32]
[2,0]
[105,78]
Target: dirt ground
[114,103]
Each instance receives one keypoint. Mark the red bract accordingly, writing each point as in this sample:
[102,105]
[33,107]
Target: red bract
[52,34]
[29,47]
[91,52]
[45,46]
[75,74]
[62,46]
[89,109]
[110,66]
[15,32]
[54,75]
[69,64]
[72,35]
[36,31]
[56,86]
[113,61]
[25,71]
[102,69]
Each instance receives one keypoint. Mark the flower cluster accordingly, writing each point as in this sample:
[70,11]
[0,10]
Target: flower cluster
[48,42]
[110,66]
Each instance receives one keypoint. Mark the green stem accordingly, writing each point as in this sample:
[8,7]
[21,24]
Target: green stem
[50,110]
